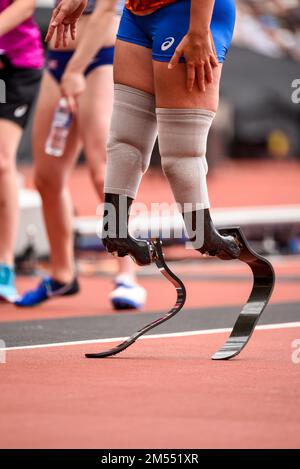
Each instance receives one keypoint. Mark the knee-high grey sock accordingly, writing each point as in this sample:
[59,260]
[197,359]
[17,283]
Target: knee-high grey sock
[132,136]
[182,135]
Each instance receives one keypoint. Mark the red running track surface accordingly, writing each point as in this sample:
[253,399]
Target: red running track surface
[161,393]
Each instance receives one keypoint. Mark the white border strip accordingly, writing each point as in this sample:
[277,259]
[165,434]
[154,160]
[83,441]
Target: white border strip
[287,325]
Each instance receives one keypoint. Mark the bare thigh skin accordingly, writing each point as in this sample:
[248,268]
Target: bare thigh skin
[10,135]
[94,115]
[51,177]
[171,91]
[133,66]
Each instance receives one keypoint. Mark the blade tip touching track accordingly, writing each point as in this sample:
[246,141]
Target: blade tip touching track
[224,355]
[95,355]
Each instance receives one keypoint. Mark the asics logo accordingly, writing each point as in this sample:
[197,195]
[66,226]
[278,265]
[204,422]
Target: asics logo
[20,111]
[169,41]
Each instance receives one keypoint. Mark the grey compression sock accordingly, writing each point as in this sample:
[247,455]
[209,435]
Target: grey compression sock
[132,136]
[182,135]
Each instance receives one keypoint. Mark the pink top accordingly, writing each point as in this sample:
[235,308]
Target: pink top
[22,45]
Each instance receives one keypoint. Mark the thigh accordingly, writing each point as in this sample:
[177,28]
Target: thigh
[171,90]
[95,109]
[46,166]
[133,66]
[10,136]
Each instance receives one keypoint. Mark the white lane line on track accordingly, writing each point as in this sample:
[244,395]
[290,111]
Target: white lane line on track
[267,327]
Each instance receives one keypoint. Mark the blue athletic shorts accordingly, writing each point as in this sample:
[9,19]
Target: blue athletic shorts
[58,60]
[162,30]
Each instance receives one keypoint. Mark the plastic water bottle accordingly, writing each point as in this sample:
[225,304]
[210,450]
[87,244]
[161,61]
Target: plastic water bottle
[56,142]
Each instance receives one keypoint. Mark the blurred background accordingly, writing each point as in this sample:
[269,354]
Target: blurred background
[253,150]
[257,80]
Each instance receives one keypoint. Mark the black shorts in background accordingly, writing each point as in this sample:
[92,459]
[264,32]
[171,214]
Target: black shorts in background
[21,88]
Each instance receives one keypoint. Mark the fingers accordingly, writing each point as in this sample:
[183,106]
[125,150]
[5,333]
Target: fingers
[175,59]
[50,32]
[59,35]
[51,27]
[73,29]
[201,77]
[65,35]
[214,60]
[200,59]
[72,104]
[191,74]
[60,15]
[213,57]
[56,24]
[208,71]
[71,100]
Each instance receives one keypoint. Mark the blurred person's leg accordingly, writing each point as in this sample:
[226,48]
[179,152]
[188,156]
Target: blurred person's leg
[10,135]
[21,86]
[94,113]
[51,177]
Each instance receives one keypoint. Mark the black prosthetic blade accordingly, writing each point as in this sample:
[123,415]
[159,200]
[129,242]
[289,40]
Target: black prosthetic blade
[263,284]
[181,297]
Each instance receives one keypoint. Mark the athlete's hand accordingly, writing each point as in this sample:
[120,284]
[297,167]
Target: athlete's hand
[200,57]
[72,86]
[64,21]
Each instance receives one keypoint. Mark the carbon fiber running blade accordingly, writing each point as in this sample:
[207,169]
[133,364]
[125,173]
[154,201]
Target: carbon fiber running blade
[263,284]
[181,297]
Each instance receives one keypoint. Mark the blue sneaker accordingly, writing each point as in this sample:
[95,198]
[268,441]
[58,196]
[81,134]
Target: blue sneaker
[127,294]
[8,291]
[47,288]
